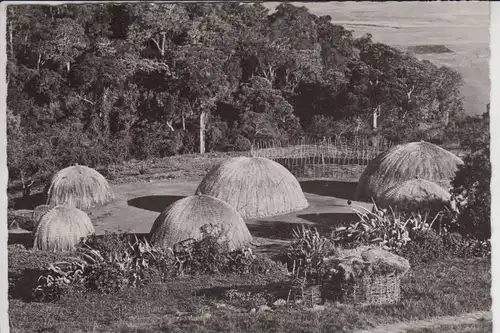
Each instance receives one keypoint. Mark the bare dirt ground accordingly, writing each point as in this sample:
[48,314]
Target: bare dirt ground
[137,205]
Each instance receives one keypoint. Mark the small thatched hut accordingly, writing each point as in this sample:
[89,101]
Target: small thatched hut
[38,213]
[255,187]
[405,162]
[79,186]
[61,228]
[183,219]
[416,195]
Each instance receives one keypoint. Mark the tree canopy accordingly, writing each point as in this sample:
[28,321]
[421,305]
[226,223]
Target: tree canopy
[99,83]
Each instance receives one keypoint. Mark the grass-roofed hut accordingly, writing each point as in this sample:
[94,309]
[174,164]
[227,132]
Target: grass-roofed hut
[255,187]
[61,228]
[416,195]
[404,162]
[183,219]
[79,186]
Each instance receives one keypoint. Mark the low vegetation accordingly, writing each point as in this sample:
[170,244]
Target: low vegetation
[113,281]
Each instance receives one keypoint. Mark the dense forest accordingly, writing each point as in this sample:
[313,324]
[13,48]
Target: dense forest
[102,83]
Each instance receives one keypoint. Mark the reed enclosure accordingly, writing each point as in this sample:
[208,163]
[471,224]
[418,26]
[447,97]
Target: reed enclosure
[338,158]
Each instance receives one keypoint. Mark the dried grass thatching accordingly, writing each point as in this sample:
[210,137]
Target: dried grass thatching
[183,219]
[61,228]
[255,187]
[38,213]
[79,186]
[405,162]
[415,195]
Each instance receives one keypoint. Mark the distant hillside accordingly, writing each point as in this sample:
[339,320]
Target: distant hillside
[462,27]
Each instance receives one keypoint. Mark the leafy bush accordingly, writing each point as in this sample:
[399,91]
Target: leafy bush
[109,244]
[107,271]
[211,255]
[380,227]
[307,251]
[426,246]
[471,185]
[455,245]
[113,262]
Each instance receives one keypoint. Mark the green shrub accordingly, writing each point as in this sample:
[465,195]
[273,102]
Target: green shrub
[380,227]
[111,263]
[307,251]
[455,244]
[109,244]
[472,184]
[425,246]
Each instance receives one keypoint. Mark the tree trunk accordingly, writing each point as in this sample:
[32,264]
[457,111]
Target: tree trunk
[38,62]
[162,51]
[26,187]
[10,40]
[202,131]
[375,117]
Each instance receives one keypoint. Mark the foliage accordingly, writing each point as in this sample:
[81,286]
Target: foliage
[115,261]
[308,249]
[426,246]
[108,271]
[389,230]
[101,84]
[445,288]
[471,185]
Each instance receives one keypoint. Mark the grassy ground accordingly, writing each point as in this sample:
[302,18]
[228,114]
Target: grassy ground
[479,327]
[224,303]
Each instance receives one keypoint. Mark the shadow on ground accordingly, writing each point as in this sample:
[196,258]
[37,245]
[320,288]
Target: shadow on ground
[155,203]
[324,222]
[331,220]
[278,229]
[247,293]
[342,190]
[24,238]
[21,286]
[30,202]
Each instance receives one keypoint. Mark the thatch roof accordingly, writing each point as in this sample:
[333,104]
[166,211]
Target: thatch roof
[38,213]
[405,162]
[79,186]
[255,187]
[183,219]
[414,195]
[61,228]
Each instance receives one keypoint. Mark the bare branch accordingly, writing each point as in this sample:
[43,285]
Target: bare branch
[85,100]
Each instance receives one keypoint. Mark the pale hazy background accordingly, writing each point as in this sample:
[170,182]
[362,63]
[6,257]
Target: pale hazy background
[463,27]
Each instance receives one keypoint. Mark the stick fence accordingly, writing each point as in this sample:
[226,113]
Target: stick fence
[332,158]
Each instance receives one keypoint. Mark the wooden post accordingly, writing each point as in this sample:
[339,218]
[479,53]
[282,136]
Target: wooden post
[202,132]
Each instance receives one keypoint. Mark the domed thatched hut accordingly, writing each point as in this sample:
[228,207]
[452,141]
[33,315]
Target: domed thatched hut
[79,186]
[255,187]
[61,228]
[184,218]
[405,162]
[38,213]
[414,195]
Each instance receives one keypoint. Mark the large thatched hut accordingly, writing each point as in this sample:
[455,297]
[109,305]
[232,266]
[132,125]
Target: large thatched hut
[183,219]
[79,186]
[405,162]
[255,187]
[416,195]
[61,228]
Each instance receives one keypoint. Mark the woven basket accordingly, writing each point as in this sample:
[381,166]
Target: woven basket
[368,290]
